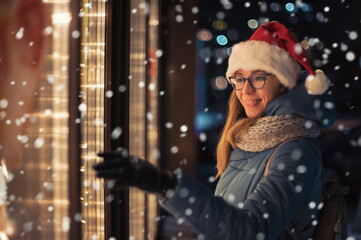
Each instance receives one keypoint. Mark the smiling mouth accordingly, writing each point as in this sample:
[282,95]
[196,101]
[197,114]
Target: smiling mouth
[252,102]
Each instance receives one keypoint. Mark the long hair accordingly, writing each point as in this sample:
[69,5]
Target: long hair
[237,122]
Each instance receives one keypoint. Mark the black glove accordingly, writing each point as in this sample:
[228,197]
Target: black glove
[130,171]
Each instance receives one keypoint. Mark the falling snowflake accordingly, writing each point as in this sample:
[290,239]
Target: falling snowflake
[96,185]
[77,217]
[301,169]
[192,200]
[116,133]
[151,86]
[180,221]
[352,35]
[296,154]
[183,192]
[150,116]
[179,18]
[109,94]
[39,142]
[141,84]
[174,149]
[281,166]
[19,34]
[159,53]
[75,34]
[50,208]
[47,31]
[231,197]
[195,10]
[298,188]
[66,224]
[39,196]
[260,236]
[203,137]
[4,103]
[122,88]
[188,212]
[184,128]
[350,56]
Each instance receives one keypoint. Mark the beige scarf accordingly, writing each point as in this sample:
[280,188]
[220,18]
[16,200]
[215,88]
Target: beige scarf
[269,131]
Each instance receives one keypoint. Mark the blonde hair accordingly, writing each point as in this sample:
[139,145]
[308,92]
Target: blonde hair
[237,122]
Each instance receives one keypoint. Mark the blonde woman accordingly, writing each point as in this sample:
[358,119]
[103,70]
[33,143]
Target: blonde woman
[272,102]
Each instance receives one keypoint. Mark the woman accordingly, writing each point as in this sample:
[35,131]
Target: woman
[272,102]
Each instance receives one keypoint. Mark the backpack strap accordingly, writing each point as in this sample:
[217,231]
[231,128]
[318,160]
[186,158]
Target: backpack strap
[290,229]
[284,142]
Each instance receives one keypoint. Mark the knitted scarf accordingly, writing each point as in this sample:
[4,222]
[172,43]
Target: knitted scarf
[269,131]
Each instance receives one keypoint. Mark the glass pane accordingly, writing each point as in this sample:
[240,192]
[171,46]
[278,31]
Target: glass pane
[38,183]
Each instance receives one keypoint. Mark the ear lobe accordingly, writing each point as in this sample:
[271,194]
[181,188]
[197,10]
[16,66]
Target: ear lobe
[30,22]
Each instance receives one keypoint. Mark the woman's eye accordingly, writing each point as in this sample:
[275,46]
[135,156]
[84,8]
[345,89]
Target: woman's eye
[258,78]
[240,79]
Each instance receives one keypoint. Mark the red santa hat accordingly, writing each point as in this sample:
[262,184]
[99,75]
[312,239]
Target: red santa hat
[273,48]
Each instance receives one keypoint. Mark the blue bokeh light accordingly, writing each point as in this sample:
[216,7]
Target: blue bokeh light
[207,120]
[222,40]
[291,8]
[305,7]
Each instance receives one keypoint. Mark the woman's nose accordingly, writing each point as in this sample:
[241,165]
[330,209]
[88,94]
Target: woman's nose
[247,88]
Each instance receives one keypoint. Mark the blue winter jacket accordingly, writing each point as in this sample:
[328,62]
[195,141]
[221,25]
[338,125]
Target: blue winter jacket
[247,205]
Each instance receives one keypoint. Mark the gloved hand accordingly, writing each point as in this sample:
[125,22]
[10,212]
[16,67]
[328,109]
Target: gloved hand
[130,171]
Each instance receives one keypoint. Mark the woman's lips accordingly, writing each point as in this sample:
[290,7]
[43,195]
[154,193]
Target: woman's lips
[252,103]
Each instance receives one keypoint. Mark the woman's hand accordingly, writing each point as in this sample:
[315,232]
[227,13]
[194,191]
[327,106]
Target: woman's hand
[131,171]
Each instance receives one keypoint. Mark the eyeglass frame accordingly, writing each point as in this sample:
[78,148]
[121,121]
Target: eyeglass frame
[248,79]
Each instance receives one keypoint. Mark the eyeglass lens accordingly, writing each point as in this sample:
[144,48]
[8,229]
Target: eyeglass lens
[257,81]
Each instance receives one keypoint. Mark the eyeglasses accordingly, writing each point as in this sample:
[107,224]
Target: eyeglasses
[256,81]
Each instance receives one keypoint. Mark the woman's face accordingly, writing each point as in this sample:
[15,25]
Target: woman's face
[254,100]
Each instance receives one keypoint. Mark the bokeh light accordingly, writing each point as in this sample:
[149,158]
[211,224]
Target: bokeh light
[232,34]
[305,7]
[252,23]
[219,25]
[291,8]
[205,53]
[222,40]
[220,53]
[220,83]
[275,7]
[204,35]
[229,51]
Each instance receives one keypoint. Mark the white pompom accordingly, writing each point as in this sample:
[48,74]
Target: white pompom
[317,84]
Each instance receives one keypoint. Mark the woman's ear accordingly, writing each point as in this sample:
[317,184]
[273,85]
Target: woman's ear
[28,37]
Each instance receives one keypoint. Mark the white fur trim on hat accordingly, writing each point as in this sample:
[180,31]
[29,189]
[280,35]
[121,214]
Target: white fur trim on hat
[317,84]
[260,55]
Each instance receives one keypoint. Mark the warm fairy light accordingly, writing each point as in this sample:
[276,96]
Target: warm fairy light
[92,73]
[61,18]
[154,22]
[3,236]
[4,169]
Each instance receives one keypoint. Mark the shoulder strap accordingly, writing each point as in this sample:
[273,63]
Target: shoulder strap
[290,229]
[280,145]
